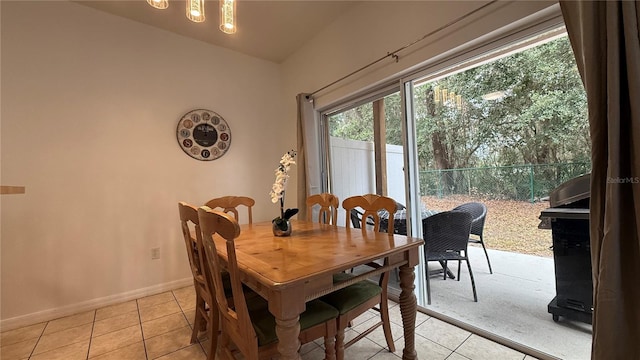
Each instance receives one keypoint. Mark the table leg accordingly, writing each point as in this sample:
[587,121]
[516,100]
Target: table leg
[288,331]
[408,308]
[449,273]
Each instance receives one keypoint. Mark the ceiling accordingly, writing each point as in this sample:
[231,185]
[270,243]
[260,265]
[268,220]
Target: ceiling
[267,29]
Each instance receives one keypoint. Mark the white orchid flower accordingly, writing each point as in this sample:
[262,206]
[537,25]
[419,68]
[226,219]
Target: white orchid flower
[282,175]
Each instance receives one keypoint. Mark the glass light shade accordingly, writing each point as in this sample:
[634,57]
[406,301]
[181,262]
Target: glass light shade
[195,10]
[159,4]
[228,16]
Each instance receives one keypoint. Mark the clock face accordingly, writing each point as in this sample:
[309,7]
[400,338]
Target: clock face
[203,134]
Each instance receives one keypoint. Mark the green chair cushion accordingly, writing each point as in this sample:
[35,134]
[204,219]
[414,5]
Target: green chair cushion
[353,295]
[264,323]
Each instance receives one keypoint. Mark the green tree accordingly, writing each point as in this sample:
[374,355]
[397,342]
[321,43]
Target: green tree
[354,124]
[540,116]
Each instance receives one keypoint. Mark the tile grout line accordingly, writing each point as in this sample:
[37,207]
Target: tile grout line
[465,340]
[93,326]
[453,352]
[187,319]
[189,325]
[144,343]
[39,337]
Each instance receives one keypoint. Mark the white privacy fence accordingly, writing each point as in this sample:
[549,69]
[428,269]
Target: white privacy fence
[353,170]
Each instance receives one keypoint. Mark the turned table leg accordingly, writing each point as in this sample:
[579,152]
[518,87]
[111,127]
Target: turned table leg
[408,308]
[288,331]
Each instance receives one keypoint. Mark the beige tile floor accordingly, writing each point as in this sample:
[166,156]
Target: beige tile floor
[159,327]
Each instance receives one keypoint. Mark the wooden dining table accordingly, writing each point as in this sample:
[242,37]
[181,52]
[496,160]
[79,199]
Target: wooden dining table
[290,271]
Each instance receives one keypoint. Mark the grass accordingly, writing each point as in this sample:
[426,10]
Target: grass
[510,225]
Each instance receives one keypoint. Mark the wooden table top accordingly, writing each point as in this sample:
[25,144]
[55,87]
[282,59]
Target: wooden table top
[289,271]
[312,249]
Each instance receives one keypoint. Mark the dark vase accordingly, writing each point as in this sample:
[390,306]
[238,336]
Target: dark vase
[277,231]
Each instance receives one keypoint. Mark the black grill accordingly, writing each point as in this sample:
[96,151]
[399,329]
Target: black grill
[568,219]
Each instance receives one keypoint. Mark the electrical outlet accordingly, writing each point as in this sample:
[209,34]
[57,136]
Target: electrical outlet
[155,253]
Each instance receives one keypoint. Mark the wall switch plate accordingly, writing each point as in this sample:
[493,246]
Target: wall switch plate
[155,253]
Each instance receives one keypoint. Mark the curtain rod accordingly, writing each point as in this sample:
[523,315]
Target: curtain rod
[394,54]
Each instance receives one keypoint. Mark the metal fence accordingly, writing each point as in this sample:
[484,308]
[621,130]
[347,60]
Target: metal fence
[516,182]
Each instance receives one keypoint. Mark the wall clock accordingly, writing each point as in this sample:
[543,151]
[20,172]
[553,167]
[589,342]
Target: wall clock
[203,134]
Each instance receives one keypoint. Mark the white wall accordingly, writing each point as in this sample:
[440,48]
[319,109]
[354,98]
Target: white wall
[90,105]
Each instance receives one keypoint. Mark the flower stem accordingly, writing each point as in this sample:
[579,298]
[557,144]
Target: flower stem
[282,206]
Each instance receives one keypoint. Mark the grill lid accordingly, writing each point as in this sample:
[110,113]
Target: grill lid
[571,191]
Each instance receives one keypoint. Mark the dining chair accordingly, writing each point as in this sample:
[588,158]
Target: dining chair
[356,299]
[230,204]
[206,314]
[478,213]
[446,237]
[247,325]
[328,213]
[370,204]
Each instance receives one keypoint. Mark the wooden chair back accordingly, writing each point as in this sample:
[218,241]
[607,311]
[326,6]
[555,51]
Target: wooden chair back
[189,221]
[370,204]
[201,278]
[328,203]
[235,321]
[229,204]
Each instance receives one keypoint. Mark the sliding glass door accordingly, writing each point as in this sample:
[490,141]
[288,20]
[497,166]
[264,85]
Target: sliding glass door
[502,129]
[365,149]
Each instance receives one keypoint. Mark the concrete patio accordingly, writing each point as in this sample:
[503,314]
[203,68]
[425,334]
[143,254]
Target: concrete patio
[512,303]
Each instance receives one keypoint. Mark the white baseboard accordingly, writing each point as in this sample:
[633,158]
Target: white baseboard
[51,314]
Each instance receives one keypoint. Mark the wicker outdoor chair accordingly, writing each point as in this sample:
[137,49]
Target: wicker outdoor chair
[446,237]
[478,213]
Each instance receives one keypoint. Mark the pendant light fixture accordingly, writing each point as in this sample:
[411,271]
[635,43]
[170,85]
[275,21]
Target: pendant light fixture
[195,10]
[228,16]
[159,4]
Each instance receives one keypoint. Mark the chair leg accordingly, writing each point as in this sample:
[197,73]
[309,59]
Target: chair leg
[486,254]
[429,287]
[214,326]
[459,263]
[330,348]
[340,344]
[384,314]
[225,350]
[444,272]
[199,320]
[473,283]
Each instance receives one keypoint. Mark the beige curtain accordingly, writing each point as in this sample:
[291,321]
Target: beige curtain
[606,41]
[305,113]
